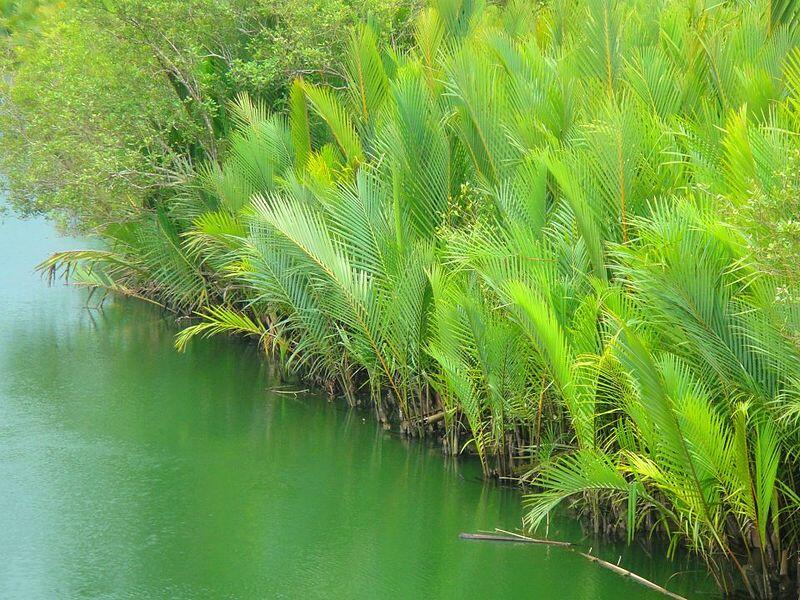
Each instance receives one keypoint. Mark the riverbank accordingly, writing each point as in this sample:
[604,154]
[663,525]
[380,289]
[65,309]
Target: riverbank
[129,468]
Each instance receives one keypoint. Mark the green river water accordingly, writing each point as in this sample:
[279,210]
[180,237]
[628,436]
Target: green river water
[128,470]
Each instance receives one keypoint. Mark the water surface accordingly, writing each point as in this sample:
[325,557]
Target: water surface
[128,470]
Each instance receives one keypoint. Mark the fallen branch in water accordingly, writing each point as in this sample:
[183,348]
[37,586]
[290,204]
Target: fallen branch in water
[491,537]
[631,574]
[510,536]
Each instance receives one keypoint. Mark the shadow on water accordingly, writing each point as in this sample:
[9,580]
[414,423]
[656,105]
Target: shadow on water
[128,470]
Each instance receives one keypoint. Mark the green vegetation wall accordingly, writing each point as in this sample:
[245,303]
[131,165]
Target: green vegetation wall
[106,105]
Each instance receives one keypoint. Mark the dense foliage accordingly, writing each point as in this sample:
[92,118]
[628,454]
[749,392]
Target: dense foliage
[547,225]
[106,105]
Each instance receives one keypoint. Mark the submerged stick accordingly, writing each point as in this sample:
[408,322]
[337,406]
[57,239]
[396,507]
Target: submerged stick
[632,575]
[491,537]
[510,536]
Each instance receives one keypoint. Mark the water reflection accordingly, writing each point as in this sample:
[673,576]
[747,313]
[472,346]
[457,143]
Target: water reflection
[128,470]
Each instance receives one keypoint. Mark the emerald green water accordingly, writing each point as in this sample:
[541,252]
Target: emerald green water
[128,470]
